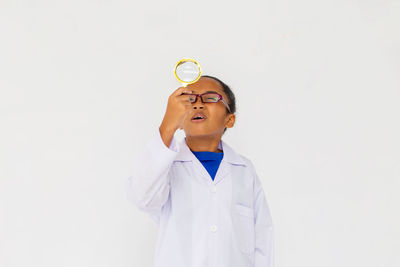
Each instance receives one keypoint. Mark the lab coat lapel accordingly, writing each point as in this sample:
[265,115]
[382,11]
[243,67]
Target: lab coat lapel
[230,158]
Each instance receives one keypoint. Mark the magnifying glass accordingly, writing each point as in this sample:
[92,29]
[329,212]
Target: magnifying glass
[187,71]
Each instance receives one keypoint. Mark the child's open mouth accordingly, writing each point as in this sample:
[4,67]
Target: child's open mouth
[198,120]
[198,117]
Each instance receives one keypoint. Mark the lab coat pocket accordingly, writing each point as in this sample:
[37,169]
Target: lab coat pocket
[244,223]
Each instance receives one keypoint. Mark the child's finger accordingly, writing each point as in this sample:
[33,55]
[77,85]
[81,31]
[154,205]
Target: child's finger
[187,91]
[181,90]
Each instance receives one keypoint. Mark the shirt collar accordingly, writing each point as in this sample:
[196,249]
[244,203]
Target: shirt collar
[185,154]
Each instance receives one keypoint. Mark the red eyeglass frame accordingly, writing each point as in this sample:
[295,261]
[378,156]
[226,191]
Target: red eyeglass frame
[200,95]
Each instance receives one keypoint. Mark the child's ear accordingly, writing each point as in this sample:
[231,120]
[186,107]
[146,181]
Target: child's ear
[231,121]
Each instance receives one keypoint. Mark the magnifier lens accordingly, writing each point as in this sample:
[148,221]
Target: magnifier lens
[187,71]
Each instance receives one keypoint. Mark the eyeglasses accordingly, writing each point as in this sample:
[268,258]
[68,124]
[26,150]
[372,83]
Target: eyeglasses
[207,98]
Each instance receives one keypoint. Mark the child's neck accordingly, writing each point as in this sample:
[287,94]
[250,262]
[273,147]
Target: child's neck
[198,144]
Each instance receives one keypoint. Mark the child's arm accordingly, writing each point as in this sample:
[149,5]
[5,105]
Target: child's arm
[264,251]
[148,186]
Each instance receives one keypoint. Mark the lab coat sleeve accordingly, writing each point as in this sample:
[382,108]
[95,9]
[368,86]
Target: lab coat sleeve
[264,235]
[148,186]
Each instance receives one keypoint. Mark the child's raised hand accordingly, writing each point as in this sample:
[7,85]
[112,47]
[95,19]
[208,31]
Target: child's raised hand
[178,108]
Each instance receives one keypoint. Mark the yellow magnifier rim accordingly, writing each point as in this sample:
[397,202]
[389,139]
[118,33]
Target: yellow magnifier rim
[185,60]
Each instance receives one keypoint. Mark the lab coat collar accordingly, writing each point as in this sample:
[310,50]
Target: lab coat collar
[230,156]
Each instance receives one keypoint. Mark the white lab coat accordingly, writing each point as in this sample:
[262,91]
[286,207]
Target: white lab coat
[202,223]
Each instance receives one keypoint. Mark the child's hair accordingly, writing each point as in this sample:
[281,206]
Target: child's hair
[227,90]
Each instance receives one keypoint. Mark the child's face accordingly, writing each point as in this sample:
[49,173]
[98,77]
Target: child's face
[217,116]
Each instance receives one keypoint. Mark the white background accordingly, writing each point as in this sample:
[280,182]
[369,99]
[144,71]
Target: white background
[83,84]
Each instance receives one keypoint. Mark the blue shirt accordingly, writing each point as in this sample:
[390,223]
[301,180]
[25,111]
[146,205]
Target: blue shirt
[210,161]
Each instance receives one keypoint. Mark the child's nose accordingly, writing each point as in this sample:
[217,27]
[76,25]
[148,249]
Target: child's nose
[198,103]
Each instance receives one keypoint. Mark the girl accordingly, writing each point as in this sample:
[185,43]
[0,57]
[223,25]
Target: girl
[206,199]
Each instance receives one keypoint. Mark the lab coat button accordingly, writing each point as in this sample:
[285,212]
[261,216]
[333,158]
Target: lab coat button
[213,189]
[213,228]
